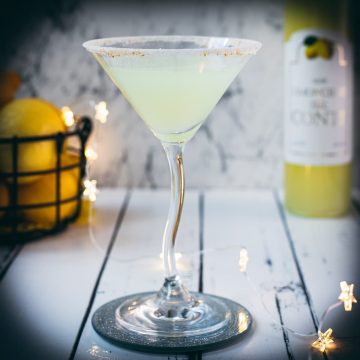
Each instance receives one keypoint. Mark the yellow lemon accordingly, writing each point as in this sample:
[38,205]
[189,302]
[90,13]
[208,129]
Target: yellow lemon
[29,117]
[311,51]
[4,198]
[43,190]
[325,48]
[68,159]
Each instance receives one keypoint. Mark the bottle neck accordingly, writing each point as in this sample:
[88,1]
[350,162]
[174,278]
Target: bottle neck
[316,14]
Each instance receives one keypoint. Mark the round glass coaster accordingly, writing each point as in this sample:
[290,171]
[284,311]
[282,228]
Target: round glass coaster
[131,322]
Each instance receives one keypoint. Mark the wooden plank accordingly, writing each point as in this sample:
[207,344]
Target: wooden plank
[234,220]
[135,265]
[328,252]
[46,290]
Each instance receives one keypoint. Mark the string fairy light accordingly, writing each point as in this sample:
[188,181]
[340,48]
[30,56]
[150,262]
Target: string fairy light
[347,295]
[68,116]
[90,153]
[90,190]
[324,340]
[243,259]
[99,352]
[101,112]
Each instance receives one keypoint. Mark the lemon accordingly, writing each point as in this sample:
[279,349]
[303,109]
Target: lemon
[4,198]
[29,117]
[43,190]
[311,51]
[68,159]
[325,48]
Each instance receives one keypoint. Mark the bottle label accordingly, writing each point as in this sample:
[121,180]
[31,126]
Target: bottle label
[318,98]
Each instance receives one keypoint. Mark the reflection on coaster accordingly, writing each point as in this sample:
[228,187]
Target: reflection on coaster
[235,318]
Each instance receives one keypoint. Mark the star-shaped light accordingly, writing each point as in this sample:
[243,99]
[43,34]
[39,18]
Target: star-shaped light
[101,112]
[90,153]
[243,259]
[324,340]
[346,295]
[99,352]
[90,190]
[68,116]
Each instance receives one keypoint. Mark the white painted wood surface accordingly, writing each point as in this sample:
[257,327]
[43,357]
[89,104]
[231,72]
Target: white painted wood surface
[328,251]
[234,220]
[50,291]
[135,264]
[45,292]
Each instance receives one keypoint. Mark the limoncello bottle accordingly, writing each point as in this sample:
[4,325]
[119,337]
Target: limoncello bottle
[318,108]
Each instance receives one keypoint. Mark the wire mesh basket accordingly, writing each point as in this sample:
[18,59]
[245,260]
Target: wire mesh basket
[17,227]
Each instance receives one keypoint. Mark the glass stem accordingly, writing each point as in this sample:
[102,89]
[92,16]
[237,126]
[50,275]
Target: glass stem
[174,156]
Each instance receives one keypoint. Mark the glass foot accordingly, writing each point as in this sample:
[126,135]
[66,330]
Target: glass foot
[172,320]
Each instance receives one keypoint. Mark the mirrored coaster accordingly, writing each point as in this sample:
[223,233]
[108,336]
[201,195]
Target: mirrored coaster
[127,322]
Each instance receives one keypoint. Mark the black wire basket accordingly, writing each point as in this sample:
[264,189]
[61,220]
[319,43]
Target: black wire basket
[14,227]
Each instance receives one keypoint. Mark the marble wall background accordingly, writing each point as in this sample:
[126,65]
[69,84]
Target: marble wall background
[241,143]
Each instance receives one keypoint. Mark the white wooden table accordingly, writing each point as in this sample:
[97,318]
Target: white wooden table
[49,289]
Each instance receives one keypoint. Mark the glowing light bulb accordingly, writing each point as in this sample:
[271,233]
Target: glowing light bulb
[94,350]
[101,112]
[243,259]
[90,190]
[324,340]
[90,153]
[98,352]
[68,116]
[346,295]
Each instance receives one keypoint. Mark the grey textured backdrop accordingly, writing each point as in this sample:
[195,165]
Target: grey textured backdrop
[241,143]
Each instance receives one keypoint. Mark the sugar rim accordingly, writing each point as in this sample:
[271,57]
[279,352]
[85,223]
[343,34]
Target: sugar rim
[233,46]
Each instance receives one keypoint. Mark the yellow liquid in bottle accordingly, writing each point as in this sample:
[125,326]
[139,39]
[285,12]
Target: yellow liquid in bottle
[316,191]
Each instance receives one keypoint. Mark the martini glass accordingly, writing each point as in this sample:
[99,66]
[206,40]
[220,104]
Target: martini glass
[173,83]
